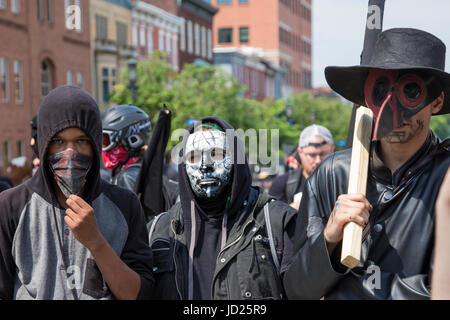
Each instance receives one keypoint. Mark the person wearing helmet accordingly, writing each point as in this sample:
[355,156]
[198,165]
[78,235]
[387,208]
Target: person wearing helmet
[126,132]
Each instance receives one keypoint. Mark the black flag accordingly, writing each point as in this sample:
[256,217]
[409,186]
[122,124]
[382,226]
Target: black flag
[374,26]
[149,185]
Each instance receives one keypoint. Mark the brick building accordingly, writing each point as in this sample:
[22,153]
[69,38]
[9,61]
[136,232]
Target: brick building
[42,46]
[155,28]
[196,38]
[180,28]
[280,28]
[111,45]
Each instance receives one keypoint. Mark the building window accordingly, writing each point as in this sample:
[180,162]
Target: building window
[78,4]
[2,4]
[74,15]
[226,35]
[224,1]
[15,6]
[50,17]
[203,42]
[20,150]
[168,47]
[135,35]
[306,79]
[160,40]
[243,34]
[4,80]
[122,34]
[46,78]
[18,81]
[40,9]
[183,37]
[69,78]
[210,53]
[80,80]
[197,39]
[143,41]
[306,13]
[101,27]
[6,152]
[190,38]
[175,53]
[105,84]
[150,40]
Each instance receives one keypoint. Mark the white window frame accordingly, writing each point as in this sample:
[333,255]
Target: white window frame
[18,71]
[175,52]
[150,40]
[142,39]
[6,158]
[161,40]
[78,3]
[203,43]
[69,77]
[2,4]
[210,52]
[183,36]
[80,80]
[197,39]
[190,38]
[15,6]
[4,75]
[135,35]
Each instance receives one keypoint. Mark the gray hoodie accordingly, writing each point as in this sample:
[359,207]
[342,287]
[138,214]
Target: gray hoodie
[39,256]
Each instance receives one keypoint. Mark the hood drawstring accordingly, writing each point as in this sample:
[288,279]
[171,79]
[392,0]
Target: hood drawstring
[191,253]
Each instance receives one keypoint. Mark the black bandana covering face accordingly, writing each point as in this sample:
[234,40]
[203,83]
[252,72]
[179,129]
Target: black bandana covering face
[208,164]
[70,169]
[395,96]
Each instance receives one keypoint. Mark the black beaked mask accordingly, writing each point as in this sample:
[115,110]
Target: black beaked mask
[395,96]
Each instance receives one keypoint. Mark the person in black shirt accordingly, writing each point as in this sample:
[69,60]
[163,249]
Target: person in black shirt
[315,144]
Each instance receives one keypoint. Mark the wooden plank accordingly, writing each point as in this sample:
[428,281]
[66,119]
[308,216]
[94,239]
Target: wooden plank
[359,166]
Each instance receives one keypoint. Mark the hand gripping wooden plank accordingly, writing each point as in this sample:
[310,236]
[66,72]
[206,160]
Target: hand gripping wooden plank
[351,242]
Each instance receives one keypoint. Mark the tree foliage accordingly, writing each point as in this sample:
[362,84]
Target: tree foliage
[199,91]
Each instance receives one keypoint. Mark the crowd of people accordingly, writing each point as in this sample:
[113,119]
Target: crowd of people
[76,229]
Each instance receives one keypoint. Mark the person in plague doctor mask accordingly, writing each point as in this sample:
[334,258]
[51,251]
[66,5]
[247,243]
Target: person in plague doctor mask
[65,233]
[225,239]
[404,85]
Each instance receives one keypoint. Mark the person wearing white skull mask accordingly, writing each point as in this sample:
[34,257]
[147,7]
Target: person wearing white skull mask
[225,239]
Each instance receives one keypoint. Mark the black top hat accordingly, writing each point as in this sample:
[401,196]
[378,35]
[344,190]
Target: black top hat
[395,49]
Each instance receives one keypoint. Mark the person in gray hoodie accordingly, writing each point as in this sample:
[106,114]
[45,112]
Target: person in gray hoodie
[66,233]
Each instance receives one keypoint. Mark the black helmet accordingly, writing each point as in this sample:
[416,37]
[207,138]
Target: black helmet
[127,125]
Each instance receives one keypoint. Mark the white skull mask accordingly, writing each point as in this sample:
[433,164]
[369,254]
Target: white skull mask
[208,164]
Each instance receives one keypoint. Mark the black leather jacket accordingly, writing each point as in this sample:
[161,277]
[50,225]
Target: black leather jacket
[127,179]
[244,268]
[397,249]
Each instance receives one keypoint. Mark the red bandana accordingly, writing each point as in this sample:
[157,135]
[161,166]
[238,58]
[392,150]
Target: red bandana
[112,158]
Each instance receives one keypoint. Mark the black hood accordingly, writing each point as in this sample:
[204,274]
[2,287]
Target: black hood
[241,177]
[68,107]
[206,236]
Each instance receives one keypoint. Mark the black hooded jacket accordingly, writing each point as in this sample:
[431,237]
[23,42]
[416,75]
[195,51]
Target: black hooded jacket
[229,257]
[32,259]
[398,242]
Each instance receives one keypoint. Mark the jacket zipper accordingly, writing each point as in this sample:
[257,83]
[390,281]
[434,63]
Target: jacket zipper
[175,261]
[226,247]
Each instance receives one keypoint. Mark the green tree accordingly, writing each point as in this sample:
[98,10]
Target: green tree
[441,126]
[199,91]
[330,113]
